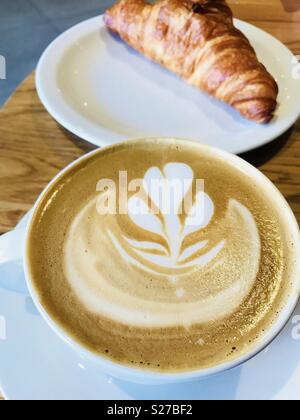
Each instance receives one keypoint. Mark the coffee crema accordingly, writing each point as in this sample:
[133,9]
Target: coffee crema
[167,291]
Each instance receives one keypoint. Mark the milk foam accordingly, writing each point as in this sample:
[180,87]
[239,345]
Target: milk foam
[111,273]
[162,291]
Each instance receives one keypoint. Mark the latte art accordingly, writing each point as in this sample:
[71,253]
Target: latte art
[190,276]
[186,275]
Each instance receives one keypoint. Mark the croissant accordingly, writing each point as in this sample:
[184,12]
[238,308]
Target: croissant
[198,41]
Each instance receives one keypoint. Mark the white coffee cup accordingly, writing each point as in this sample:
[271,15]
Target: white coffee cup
[13,247]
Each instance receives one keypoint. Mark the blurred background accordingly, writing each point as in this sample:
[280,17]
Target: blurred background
[28,26]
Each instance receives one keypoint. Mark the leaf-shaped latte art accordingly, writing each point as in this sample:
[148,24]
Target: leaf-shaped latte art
[200,214]
[206,258]
[155,192]
[122,291]
[140,214]
[192,250]
[180,176]
[146,246]
[157,260]
[167,190]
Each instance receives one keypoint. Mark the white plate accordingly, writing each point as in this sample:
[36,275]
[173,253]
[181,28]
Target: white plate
[103,91]
[36,364]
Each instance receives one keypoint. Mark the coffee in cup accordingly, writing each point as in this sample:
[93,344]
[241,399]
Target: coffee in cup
[162,255]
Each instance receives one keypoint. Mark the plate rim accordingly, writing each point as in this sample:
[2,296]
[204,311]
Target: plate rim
[112,136]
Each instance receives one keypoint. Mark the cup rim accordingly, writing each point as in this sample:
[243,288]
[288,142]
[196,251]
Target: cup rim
[132,373]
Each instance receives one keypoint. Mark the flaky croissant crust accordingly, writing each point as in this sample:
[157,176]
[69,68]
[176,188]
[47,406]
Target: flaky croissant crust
[198,41]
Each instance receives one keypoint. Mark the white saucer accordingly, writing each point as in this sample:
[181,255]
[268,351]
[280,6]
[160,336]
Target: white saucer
[35,364]
[103,91]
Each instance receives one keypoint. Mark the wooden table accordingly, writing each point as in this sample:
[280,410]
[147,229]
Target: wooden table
[34,148]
